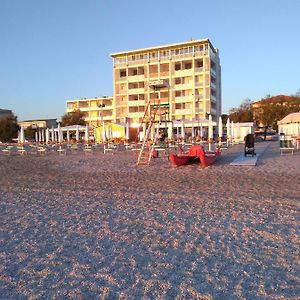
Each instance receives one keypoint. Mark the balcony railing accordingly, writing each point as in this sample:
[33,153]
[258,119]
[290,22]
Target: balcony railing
[136,102]
[183,99]
[184,111]
[184,72]
[184,86]
[135,78]
[136,91]
[198,70]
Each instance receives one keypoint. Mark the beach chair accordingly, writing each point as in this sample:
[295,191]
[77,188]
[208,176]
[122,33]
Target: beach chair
[249,145]
[286,144]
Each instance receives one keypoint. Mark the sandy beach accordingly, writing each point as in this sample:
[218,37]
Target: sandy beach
[95,226]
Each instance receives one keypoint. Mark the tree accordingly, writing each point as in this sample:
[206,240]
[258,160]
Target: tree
[269,114]
[75,117]
[243,113]
[29,133]
[273,109]
[8,128]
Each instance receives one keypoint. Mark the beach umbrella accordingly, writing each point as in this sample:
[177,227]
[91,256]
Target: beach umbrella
[210,132]
[59,134]
[228,131]
[36,137]
[86,137]
[127,131]
[201,131]
[232,131]
[52,134]
[193,133]
[77,133]
[22,135]
[182,130]
[68,135]
[220,129]
[19,141]
[40,136]
[43,135]
[103,132]
[170,131]
[47,135]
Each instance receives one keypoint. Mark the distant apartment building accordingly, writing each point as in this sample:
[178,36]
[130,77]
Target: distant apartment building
[96,110]
[191,77]
[38,123]
[5,113]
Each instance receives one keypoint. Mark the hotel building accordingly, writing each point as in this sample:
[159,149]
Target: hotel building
[96,110]
[191,74]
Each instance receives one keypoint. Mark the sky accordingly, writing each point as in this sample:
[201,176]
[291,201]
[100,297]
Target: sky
[57,50]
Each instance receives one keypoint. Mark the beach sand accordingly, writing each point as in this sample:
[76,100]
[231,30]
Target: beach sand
[95,226]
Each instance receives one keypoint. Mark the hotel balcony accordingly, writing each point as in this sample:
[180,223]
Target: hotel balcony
[212,71]
[136,103]
[185,86]
[136,78]
[186,111]
[184,99]
[184,72]
[136,114]
[199,70]
[136,91]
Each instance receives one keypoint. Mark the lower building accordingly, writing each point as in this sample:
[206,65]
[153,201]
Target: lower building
[39,123]
[96,110]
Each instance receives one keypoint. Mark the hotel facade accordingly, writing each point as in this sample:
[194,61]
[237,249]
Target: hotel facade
[96,110]
[189,75]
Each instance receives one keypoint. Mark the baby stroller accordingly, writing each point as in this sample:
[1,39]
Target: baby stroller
[249,145]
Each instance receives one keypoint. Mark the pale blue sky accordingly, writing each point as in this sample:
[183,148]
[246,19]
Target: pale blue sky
[54,50]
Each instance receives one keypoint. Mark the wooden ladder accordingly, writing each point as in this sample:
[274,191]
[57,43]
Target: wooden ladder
[145,153]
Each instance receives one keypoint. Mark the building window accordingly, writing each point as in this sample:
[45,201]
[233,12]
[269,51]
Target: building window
[122,73]
[177,67]
[178,80]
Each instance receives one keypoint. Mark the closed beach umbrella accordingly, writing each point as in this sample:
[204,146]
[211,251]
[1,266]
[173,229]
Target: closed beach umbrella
[182,130]
[232,131]
[86,137]
[228,131]
[201,131]
[40,136]
[193,133]
[52,134]
[59,133]
[220,128]
[36,136]
[68,135]
[210,132]
[77,133]
[170,131]
[127,131]
[103,132]
[22,135]
[47,135]
[43,135]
